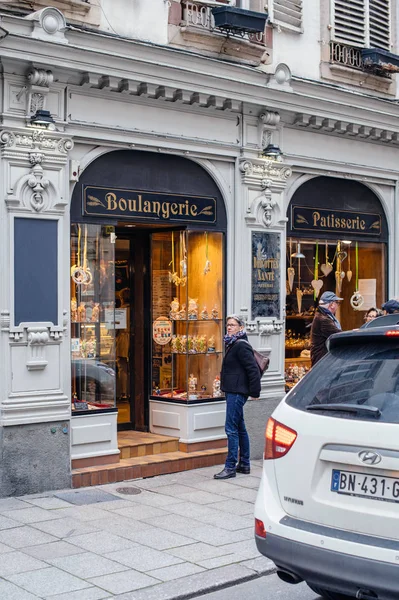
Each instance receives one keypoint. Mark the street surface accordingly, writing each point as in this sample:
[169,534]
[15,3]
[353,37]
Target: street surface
[269,587]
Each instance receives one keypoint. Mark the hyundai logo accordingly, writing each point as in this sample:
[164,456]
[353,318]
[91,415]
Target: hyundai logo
[369,458]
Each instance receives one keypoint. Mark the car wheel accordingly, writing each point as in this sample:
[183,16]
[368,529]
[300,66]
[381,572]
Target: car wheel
[329,595]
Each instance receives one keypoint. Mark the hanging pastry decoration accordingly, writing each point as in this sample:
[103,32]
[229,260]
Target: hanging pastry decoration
[291,270]
[357,299]
[81,273]
[316,283]
[339,274]
[299,292]
[173,276]
[349,272]
[326,267]
[207,267]
[183,259]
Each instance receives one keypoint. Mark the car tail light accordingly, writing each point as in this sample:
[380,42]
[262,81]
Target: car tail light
[260,530]
[392,332]
[279,439]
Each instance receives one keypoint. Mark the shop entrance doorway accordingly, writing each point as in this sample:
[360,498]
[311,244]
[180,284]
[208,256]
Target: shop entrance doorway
[132,321]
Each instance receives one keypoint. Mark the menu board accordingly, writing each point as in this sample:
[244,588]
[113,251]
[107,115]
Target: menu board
[266,262]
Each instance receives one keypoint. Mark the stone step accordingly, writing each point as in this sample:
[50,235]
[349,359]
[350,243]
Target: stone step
[133,444]
[147,466]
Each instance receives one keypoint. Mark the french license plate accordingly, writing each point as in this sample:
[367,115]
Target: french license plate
[365,485]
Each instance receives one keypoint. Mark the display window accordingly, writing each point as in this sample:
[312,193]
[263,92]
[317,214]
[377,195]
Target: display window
[92,317]
[187,315]
[355,270]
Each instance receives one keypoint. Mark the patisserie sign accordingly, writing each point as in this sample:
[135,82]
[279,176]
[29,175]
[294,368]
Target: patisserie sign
[335,221]
[132,204]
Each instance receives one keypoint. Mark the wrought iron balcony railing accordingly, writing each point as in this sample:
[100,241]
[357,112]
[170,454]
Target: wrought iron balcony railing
[198,15]
[348,56]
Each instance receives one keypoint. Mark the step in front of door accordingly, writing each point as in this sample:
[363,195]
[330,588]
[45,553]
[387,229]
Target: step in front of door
[134,444]
[147,466]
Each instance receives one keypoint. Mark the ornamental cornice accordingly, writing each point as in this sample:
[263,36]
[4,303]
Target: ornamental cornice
[345,128]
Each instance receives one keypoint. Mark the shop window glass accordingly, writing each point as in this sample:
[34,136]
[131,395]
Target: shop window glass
[187,315]
[92,317]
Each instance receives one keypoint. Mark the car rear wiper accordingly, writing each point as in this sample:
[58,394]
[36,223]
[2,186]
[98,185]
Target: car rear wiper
[352,408]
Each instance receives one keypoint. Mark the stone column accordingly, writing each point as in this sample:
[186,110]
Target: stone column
[263,182]
[35,391]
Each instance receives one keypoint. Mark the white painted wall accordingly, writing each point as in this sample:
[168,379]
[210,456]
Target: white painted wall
[145,20]
[301,51]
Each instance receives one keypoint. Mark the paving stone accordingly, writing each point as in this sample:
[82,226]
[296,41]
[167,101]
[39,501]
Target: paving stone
[9,591]
[30,515]
[6,523]
[65,528]
[234,507]
[190,509]
[18,562]
[200,497]
[86,496]
[140,512]
[48,582]
[53,550]
[91,593]
[48,503]
[87,565]
[116,504]
[246,494]
[246,481]
[196,552]
[220,488]
[4,548]
[20,537]
[229,522]
[219,561]
[100,543]
[261,565]
[220,537]
[144,559]
[246,549]
[193,584]
[173,523]
[175,489]
[175,572]
[82,513]
[160,539]
[120,526]
[12,504]
[119,583]
[155,498]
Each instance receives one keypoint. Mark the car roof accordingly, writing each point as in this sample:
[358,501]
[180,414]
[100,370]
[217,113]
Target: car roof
[385,321]
[386,328]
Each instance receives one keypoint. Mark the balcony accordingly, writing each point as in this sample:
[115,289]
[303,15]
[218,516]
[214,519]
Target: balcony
[197,31]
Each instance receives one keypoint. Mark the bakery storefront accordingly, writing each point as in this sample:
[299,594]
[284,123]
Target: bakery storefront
[337,240]
[147,301]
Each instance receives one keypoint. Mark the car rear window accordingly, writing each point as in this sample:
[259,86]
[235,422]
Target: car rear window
[364,375]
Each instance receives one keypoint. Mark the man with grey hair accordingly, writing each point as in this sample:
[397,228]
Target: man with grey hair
[324,324]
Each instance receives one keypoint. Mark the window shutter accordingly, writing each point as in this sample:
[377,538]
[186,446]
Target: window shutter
[350,22]
[287,13]
[380,24]
[362,23]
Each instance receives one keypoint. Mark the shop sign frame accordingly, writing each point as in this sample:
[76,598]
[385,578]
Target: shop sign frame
[340,222]
[265,275]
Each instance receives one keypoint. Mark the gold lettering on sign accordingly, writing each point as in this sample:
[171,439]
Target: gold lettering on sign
[111,201]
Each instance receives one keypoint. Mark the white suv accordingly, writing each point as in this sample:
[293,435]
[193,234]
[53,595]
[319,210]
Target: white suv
[327,510]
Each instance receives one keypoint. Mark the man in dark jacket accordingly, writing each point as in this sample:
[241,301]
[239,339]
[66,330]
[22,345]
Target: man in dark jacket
[240,378]
[324,324]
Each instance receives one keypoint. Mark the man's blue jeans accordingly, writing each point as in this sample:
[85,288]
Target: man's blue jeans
[237,436]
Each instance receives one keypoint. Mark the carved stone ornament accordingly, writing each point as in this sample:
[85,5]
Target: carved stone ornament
[260,326]
[268,121]
[37,182]
[38,338]
[265,168]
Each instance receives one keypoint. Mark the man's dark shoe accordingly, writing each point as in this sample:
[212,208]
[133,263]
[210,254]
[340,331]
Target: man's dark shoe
[225,474]
[243,469]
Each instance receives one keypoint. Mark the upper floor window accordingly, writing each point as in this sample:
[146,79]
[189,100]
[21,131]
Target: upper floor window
[284,13]
[362,23]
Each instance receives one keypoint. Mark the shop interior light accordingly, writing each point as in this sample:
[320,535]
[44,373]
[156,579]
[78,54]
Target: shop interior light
[298,253]
[347,242]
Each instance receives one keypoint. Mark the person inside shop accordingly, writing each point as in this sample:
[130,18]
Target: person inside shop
[391,307]
[372,314]
[240,378]
[324,324]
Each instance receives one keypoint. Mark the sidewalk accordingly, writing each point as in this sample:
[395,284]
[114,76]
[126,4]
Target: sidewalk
[167,537]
